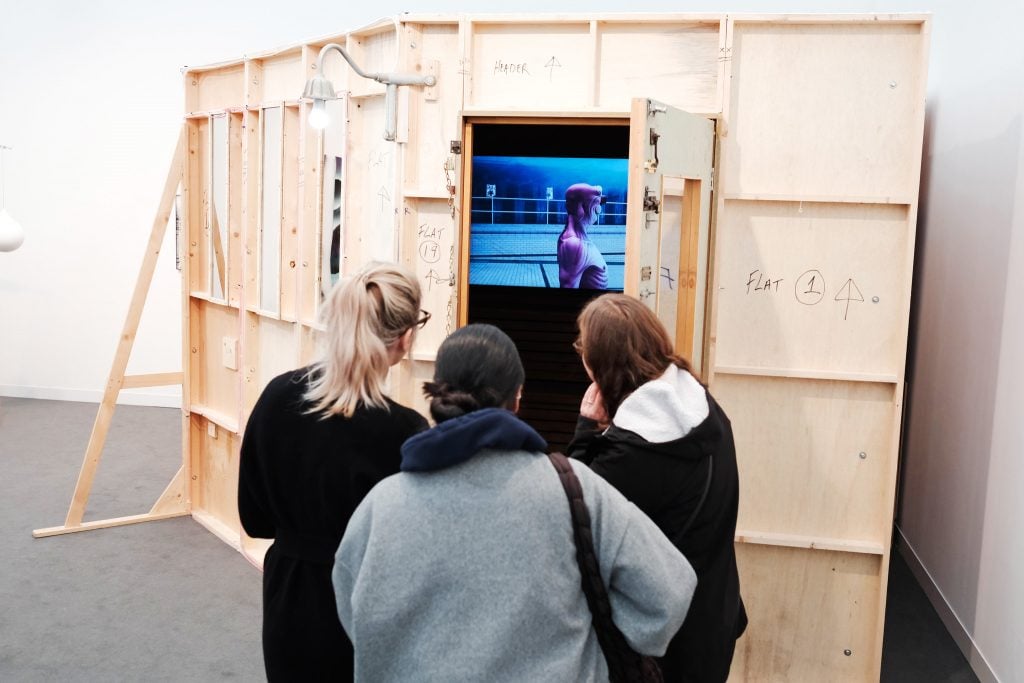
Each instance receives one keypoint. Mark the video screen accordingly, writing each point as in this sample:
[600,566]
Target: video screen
[549,206]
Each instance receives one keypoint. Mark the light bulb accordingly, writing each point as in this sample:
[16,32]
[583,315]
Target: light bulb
[318,118]
[11,233]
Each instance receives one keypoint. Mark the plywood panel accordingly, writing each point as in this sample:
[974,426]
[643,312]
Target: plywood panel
[277,349]
[798,283]
[213,326]
[532,66]
[826,110]
[283,77]
[375,52]
[807,609]
[371,205]
[429,252]
[215,472]
[815,457]
[433,115]
[216,89]
[678,64]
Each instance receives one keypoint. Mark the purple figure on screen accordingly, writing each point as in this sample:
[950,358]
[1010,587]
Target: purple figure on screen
[580,263]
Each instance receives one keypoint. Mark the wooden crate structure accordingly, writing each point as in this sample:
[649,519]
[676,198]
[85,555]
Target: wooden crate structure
[797,283]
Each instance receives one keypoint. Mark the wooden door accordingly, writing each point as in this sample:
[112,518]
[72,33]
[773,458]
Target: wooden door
[668,219]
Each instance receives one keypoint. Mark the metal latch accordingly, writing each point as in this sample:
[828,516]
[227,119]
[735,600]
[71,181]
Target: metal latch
[649,165]
[456,147]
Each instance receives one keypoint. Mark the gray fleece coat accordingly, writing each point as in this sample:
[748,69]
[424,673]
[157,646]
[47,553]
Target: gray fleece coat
[468,572]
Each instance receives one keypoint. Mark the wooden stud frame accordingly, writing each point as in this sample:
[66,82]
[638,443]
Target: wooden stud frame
[815,200]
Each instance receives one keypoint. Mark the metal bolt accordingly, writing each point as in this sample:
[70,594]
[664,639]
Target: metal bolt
[892,85]
[875,299]
[862,455]
[847,652]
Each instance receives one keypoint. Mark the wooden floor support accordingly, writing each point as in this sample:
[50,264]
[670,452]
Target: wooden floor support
[173,502]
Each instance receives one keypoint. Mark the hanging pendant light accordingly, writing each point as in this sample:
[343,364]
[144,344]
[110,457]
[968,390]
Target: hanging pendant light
[11,232]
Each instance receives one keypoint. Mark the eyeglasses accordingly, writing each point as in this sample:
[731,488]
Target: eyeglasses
[421,323]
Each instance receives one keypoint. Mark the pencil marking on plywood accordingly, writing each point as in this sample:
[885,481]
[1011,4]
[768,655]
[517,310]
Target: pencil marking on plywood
[428,231]
[385,197]
[430,251]
[810,287]
[666,274]
[849,292]
[758,281]
[551,65]
[503,68]
[434,278]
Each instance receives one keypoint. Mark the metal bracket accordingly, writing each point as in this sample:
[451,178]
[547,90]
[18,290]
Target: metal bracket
[651,201]
[456,147]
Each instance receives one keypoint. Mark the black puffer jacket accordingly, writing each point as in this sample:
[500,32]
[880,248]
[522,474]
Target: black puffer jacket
[669,448]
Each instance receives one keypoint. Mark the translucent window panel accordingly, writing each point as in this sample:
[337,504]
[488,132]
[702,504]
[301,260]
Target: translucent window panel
[218,206]
[270,209]
[333,196]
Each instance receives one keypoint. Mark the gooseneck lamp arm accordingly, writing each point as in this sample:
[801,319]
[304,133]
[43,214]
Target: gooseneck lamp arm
[320,89]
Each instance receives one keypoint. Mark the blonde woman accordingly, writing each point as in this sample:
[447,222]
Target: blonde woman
[318,439]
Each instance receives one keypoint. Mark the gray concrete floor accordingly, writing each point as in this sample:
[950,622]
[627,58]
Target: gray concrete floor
[168,601]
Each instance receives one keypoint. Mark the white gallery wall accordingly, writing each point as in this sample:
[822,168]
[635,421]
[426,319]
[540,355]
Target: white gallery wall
[91,102]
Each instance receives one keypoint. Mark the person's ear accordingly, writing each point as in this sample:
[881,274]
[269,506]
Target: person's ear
[518,398]
[401,346]
[406,340]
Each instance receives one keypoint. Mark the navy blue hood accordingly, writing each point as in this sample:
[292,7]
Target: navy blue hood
[459,439]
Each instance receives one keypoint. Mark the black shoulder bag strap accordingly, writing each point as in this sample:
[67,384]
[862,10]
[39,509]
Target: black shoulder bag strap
[624,664]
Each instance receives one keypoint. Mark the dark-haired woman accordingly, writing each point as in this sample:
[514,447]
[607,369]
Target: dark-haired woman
[318,439]
[463,566]
[650,428]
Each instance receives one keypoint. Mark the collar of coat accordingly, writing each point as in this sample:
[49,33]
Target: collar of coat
[459,439]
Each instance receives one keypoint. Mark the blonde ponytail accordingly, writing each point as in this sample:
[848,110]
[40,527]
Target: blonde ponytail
[363,315]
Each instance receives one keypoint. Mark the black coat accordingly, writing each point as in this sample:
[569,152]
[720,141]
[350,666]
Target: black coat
[301,478]
[667,481]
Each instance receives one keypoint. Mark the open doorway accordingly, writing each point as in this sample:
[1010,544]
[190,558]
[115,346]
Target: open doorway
[545,232]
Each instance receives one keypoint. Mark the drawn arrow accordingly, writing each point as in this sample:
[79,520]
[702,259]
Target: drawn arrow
[384,195]
[433,278]
[847,294]
[550,66]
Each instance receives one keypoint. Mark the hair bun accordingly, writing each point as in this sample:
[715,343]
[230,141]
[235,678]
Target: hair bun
[447,402]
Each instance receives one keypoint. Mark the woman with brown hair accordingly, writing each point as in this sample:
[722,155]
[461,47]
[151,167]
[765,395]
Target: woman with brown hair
[318,439]
[653,431]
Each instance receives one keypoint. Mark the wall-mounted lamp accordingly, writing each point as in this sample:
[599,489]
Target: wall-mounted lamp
[11,233]
[319,89]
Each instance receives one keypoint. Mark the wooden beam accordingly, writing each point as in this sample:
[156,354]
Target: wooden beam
[162,379]
[810,543]
[124,347]
[173,500]
[104,524]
